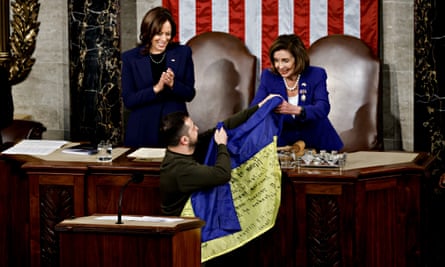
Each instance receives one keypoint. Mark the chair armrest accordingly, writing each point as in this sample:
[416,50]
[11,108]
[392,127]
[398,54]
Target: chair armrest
[19,130]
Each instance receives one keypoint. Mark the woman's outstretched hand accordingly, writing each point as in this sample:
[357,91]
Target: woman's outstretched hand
[267,98]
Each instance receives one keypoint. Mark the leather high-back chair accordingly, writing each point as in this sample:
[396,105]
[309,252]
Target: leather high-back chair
[19,130]
[354,89]
[225,74]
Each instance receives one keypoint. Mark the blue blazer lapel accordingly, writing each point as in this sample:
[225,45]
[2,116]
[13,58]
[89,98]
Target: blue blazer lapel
[305,92]
[143,66]
[171,60]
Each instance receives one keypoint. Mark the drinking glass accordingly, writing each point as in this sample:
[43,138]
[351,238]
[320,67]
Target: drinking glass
[104,151]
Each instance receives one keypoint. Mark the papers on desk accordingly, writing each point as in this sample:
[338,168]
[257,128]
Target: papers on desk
[141,219]
[35,147]
[81,149]
[148,154]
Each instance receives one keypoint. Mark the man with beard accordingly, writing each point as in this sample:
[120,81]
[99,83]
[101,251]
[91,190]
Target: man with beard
[182,170]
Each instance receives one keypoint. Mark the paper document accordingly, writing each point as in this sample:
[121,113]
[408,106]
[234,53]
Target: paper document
[141,219]
[146,153]
[35,147]
[81,149]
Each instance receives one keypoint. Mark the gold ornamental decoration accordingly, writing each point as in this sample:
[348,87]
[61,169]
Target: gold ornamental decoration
[23,37]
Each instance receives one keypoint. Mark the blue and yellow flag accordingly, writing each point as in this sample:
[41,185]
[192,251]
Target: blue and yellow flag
[247,206]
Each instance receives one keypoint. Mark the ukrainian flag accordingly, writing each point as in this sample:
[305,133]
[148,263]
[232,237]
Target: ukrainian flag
[247,206]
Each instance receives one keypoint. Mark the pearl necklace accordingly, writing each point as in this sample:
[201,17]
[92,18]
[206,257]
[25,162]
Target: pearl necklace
[295,85]
[158,62]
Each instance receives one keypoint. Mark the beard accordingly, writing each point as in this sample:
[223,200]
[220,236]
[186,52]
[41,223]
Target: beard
[192,142]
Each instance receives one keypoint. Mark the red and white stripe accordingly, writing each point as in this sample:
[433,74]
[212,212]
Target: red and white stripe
[258,23]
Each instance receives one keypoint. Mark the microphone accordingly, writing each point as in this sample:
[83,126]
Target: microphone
[135,178]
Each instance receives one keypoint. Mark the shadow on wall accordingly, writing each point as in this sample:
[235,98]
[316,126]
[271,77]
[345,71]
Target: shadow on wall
[217,96]
[392,133]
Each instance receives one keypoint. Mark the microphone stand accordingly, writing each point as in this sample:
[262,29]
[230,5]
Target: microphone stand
[135,178]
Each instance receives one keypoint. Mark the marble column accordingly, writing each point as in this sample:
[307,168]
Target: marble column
[4,32]
[94,44]
[429,98]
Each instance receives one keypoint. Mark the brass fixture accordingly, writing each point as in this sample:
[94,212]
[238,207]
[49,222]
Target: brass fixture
[16,55]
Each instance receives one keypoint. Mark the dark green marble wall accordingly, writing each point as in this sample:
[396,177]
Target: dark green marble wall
[429,81]
[429,120]
[94,44]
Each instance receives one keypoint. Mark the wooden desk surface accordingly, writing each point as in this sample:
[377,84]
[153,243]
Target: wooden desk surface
[131,224]
[357,162]
[365,164]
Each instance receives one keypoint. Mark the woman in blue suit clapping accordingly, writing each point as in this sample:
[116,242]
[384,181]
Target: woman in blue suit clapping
[157,78]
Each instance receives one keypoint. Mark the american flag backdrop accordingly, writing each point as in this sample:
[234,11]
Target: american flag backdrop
[257,23]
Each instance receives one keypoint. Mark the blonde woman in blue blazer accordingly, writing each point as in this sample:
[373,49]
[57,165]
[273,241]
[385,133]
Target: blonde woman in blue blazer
[157,78]
[305,105]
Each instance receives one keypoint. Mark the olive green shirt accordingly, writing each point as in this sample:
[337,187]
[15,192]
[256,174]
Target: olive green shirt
[181,175]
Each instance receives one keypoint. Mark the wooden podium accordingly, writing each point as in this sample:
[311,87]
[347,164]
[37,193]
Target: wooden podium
[140,241]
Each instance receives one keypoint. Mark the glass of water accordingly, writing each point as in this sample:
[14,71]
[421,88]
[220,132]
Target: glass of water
[104,151]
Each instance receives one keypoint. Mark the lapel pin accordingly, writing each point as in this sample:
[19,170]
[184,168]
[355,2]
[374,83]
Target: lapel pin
[303,92]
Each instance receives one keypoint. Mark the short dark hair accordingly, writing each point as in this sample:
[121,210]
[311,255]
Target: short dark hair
[152,24]
[295,46]
[173,127]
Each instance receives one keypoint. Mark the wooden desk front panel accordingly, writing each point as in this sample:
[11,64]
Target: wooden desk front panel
[103,192]
[389,221]
[373,222]
[54,196]
[138,250]
[14,218]
[324,219]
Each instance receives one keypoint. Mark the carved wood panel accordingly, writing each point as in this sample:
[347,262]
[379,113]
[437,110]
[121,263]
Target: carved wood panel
[323,225]
[56,204]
